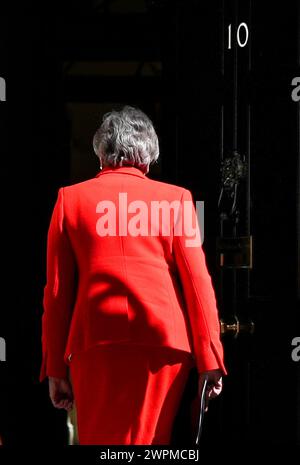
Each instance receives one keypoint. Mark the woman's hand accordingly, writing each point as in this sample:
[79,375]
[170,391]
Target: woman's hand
[60,391]
[214,384]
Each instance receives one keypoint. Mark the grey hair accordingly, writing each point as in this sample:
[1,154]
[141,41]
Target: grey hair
[126,137]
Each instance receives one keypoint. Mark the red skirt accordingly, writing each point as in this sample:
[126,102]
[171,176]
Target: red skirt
[128,394]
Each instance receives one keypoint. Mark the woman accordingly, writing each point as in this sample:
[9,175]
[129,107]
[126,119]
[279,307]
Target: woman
[129,305]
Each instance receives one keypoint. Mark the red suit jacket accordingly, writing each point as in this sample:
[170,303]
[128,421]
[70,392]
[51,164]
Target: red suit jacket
[144,289]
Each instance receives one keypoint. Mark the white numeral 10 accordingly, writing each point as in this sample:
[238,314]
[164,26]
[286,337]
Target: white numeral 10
[238,32]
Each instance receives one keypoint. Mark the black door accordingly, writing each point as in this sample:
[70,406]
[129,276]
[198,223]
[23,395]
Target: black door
[235,133]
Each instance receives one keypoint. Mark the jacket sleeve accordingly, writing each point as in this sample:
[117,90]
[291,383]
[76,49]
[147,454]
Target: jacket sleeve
[197,289]
[58,294]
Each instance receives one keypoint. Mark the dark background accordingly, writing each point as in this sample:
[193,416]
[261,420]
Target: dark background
[64,69]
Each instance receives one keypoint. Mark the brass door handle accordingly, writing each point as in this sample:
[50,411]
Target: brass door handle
[236,327]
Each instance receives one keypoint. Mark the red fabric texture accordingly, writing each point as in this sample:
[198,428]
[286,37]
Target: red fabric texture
[128,395]
[152,290]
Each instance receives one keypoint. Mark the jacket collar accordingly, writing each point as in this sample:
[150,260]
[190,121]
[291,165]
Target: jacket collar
[123,170]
